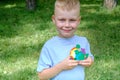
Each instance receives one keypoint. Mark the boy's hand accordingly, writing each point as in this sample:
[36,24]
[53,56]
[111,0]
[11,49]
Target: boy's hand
[87,62]
[68,64]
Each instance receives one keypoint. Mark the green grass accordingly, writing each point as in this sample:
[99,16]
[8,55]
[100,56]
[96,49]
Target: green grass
[23,33]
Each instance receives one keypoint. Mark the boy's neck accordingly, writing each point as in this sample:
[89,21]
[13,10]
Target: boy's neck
[65,37]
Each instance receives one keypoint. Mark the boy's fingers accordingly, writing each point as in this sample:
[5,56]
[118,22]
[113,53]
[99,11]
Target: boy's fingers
[86,61]
[74,63]
[85,64]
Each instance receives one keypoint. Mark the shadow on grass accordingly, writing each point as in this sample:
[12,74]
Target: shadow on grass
[91,1]
[103,26]
[17,21]
[15,17]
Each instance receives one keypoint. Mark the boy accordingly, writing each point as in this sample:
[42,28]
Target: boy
[55,62]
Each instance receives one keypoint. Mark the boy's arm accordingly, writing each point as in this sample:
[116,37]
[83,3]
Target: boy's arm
[53,71]
[87,62]
[50,72]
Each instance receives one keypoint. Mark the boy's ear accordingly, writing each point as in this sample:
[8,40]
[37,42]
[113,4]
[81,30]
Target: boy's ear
[53,18]
[79,19]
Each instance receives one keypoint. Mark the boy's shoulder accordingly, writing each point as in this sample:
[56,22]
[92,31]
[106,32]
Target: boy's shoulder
[81,37]
[51,41]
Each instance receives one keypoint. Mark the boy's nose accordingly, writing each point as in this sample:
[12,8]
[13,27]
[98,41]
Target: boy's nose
[67,24]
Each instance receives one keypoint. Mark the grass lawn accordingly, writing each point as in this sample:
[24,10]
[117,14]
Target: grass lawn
[23,33]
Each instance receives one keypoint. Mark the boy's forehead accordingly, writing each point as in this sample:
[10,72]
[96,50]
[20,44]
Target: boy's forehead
[59,11]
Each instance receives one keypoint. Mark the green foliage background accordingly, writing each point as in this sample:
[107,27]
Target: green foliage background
[23,33]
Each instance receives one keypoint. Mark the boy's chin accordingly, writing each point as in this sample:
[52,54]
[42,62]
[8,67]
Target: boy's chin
[66,36]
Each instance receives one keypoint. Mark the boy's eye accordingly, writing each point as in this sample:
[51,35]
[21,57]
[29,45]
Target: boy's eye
[61,19]
[72,20]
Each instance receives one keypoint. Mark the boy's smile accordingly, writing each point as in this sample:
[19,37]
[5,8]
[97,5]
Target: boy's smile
[66,22]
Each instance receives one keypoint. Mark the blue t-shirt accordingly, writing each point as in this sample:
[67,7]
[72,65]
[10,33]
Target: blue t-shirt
[57,49]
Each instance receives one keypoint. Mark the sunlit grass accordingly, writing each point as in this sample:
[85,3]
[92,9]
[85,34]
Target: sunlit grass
[10,6]
[105,70]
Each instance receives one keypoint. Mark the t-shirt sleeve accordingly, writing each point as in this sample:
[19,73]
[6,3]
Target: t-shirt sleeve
[44,61]
[88,49]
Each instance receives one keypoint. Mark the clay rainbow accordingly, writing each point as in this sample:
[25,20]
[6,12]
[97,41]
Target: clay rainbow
[78,53]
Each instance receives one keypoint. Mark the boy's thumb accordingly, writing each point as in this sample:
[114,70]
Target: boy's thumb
[71,58]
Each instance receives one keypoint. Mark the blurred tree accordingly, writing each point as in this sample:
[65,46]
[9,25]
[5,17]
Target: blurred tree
[110,4]
[31,4]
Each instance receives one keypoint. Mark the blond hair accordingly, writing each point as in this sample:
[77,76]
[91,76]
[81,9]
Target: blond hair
[67,4]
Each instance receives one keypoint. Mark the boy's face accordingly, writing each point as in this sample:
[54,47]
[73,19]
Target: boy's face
[66,22]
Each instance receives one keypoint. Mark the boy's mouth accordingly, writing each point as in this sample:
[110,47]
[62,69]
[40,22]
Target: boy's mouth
[67,31]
